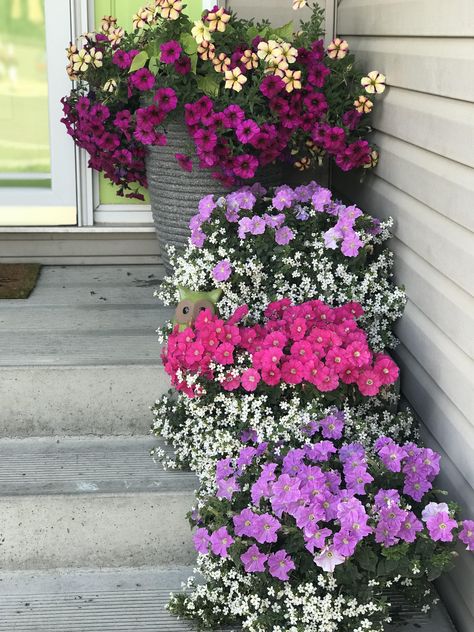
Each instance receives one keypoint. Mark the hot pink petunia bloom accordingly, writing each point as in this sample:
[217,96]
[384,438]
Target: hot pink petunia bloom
[224,353]
[250,380]
[142,79]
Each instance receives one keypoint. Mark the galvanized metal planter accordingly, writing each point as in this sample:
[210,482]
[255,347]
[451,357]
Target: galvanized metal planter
[175,193]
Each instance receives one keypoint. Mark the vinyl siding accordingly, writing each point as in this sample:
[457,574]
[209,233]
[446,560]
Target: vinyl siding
[424,128]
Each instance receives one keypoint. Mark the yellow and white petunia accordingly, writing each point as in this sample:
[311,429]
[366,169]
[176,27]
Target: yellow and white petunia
[110,86]
[298,4]
[249,59]
[288,52]
[221,63]
[81,61]
[267,50]
[96,57]
[276,66]
[374,83]
[292,80]
[201,32]
[171,9]
[363,104]
[218,20]
[234,79]
[338,48]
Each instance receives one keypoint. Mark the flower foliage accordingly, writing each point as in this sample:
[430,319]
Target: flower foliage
[311,346]
[249,94]
[301,243]
[325,510]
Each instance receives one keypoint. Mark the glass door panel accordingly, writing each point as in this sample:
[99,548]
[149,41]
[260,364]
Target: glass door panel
[37,167]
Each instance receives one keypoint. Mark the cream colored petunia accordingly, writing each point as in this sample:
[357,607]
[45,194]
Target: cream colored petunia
[107,23]
[303,164]
[338,48]
[143,18]
[363,104]
[218,20]
[234,79]
[289,53]
[201,32]
[267,50]
[374,83]
[374,158]
[249,59]
[292,80]
[116,36]
[206,51]
[298,4]
[171,9]
[221,63]
[71,50]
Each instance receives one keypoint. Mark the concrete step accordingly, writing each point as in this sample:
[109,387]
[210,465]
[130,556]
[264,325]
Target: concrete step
[81,355]
[91,502]
[128,600]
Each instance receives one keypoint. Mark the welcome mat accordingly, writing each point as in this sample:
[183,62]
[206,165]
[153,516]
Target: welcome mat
[17,280]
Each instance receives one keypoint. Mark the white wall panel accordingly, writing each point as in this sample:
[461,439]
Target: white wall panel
[424,127]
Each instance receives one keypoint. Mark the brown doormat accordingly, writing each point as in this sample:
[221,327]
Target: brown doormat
[17,280]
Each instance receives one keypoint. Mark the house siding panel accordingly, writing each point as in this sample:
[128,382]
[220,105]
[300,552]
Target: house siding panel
[424,126]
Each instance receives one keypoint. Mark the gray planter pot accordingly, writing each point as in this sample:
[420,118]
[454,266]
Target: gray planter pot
[175,194]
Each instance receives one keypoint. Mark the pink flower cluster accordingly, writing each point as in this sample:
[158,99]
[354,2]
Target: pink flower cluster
[327,492]
[310,344]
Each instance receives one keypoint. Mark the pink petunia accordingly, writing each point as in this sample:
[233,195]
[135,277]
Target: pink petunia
[224,353]
[250,379]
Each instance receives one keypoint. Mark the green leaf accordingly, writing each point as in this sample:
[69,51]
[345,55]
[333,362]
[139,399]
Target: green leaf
[209,84]
[194,60]
[284,32]
[368,560]
[139,61]
[154,65]
[188,43]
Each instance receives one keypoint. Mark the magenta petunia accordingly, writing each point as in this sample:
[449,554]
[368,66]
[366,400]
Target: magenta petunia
[245,166]
[170,51]
[142,79]
[184,162]
[166,99]
[271,86]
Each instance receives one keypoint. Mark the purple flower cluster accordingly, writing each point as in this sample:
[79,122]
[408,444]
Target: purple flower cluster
[328,494]
[254,214]
[116,141]
[419,465]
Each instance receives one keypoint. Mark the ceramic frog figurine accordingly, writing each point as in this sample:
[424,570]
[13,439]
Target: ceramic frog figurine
[191,303]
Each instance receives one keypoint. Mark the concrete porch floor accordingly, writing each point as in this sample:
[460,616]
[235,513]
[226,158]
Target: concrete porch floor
[83,315]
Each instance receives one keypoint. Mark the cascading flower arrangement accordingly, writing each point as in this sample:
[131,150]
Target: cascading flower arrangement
[311,346]
[309,535]
[249,94]
[302,243]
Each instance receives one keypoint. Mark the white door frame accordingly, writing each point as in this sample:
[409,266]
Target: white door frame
[23,205]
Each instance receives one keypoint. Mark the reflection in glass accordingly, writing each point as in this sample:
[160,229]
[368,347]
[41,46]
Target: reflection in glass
[24,128]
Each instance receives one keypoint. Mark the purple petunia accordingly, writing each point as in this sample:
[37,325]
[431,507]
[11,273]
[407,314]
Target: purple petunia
[280,565]
[221,541]
[440,526]
[254,560]
[466,534]
[201,540]
[222,271]
[284,235]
